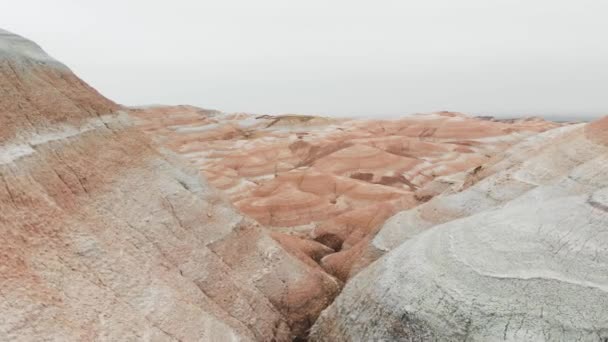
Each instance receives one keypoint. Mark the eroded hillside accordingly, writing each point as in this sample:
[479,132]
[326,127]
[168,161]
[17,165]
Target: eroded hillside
[104,237]
[332,181]
[183,224]
[521,255]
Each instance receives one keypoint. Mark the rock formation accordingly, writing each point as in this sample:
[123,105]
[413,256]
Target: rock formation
[475,228]
[521,255]
[334,181]
[105,237]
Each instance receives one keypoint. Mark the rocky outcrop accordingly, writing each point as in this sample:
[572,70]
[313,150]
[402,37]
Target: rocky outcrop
[519,255]
[104,236]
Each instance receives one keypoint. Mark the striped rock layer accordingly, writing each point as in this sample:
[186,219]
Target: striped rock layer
[105,236]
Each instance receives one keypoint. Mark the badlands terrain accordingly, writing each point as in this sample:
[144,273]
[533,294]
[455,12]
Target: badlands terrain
[175,223]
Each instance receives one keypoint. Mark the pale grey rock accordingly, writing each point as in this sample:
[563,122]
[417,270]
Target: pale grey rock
[523,256]
[518,274]
[18,49]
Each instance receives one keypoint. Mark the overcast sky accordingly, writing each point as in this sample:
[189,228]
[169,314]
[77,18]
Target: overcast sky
[332,57]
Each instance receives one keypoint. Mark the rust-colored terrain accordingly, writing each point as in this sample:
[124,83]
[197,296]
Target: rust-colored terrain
[104,237]
[332,181]
[175,223]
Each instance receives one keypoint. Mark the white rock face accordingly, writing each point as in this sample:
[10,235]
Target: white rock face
[537,160]
[15,47]
[523,257]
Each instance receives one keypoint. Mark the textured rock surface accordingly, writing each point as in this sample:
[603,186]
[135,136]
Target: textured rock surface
[334,181]
[501,231]
[103,237]
[521,255]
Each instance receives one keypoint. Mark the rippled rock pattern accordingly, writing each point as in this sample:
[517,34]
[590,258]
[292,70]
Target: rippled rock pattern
[521,255]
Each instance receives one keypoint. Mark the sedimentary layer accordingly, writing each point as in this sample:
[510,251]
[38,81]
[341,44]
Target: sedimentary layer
[106,236]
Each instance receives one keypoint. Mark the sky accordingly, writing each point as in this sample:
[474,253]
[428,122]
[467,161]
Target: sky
[332,57]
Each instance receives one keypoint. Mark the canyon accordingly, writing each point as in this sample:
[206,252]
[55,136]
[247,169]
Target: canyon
[176,223]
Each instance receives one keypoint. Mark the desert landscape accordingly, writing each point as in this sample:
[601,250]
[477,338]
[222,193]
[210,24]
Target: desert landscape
[177,223]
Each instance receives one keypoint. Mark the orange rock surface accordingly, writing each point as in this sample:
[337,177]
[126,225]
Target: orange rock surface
[332,180]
